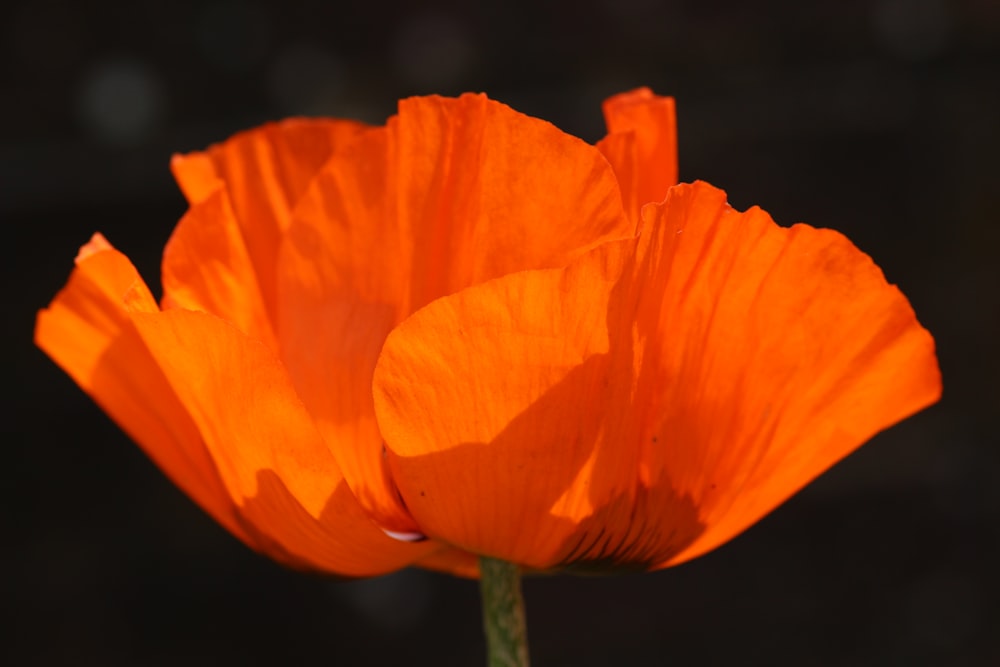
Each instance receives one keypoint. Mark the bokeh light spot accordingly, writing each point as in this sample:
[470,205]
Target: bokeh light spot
[121,101]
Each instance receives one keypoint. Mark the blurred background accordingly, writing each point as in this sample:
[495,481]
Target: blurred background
[878,118]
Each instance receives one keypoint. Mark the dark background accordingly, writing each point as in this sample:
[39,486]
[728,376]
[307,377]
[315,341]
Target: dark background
[876,118]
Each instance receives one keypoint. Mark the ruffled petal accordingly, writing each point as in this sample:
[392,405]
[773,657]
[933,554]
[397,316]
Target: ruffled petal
[452,192]
[482,191]
[652,400]
[206,267]
[88,333]
[646,165]
[271,459]
[264,171]
[492,402]
[796,347]
[620,152]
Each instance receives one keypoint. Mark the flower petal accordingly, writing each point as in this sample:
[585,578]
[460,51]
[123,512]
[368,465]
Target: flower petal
[206,267]
[268,452]
[652,400]
[646,166]
[265,171]
[483,190]
[88,333]
[799,350]
[492,401]
[452,192]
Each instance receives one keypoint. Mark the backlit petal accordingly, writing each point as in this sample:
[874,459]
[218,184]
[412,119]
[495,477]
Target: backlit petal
[655,398]
[452,192]
[492,402]
[270,457]
[646,166]
[206,267]
[264,171]
[88,333]
[483,190]
[621,153]
[828,354]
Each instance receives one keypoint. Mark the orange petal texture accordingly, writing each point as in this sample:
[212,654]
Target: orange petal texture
[306,241]
[641,146]
[575,363]
[264,172]
[450,193]
[654,398]
[269,455]
[214,409]
[87,331]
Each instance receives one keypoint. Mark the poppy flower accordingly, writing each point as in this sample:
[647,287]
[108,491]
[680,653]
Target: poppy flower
[467,333]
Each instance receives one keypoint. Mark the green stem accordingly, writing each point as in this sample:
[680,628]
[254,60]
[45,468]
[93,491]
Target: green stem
[503,613]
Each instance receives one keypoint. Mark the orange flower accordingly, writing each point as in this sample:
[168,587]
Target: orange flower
[569,370]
